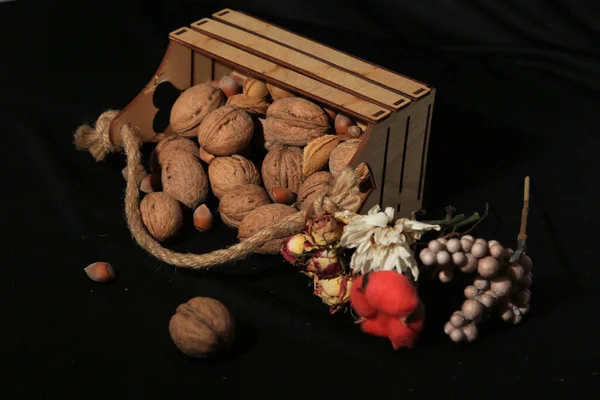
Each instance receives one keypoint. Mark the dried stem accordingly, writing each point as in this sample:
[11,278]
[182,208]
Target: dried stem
[485,214]
[522,237]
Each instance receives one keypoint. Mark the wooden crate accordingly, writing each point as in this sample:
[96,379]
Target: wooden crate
[394,110]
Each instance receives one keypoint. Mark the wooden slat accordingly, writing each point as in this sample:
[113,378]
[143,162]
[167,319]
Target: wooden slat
[280,76]
[351,63]
[301,63]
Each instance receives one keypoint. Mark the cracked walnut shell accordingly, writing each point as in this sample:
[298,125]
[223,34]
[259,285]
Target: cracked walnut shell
[294,121]
[226,131]
[282,167]
[192,105]
[340,156]
[227,173]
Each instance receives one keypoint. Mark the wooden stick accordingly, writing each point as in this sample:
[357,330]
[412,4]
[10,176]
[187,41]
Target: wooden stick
[522,237]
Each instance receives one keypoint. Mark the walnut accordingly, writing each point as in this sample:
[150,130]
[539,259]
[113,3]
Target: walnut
[192,105]
[202,327]
[278,93]
[311,187]
[263,217]
[294,121]
[227,173]
[171,143]
[255,106]
[236,204]
[225,131]
[162,215]
[342,155]
[282,167]
[317,152]
[183,177]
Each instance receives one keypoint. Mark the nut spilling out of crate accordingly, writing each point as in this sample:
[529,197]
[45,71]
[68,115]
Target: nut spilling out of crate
[270,108]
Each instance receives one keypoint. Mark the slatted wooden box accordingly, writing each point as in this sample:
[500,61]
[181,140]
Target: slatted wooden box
[394,110]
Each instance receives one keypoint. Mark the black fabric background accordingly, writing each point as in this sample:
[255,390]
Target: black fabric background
[518,94]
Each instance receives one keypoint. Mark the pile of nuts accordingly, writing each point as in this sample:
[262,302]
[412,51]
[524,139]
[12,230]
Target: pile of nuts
[262,151]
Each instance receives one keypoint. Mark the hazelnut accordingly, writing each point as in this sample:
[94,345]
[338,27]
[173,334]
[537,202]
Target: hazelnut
[228,173]
[283,195]
[226,131]
[342,155]
[262,217]
[294,121]
[205,156]
[192,105]
[255,88]
[183,178]
[171,144]
[202,327]
[229,86]
[317,152]
[331,113]
[278,93]
[162,215]
[342,123]
[203,218]
[100,272]
[282,167]
[236,204]
[354,131]
[311,187]
[151,183]
[255,106]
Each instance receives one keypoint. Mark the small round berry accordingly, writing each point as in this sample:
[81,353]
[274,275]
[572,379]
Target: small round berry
[517,319]
[471,265]
[445,275]
[481,283]
[488,267]
[468,237]
[523,297]
[435,246]
[427,257]
[470,332]
[458,319]
[459,259]
[482,241]
[479,250]
[515,272]
[526,282]
[524,310]
[492,243]
[443,258]
[507,315]
[501,286]
[442,240]
[448,328]
[497,251]
[472,309]
[457,335]
[508,254]
[453,245]
[470,291]
[487,300]
[526,262]
[466,244]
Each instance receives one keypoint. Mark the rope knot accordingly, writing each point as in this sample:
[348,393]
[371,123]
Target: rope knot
[343,194]
[96,139]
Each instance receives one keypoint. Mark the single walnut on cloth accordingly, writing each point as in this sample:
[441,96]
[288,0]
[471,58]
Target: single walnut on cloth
[226,131]
[282,167]
[294,121]
[227,173]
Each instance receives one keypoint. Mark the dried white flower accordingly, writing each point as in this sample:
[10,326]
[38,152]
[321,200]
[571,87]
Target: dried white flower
[380,244]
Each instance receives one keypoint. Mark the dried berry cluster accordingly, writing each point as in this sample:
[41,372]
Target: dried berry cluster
[262,151]
[317,253]
[501,285]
